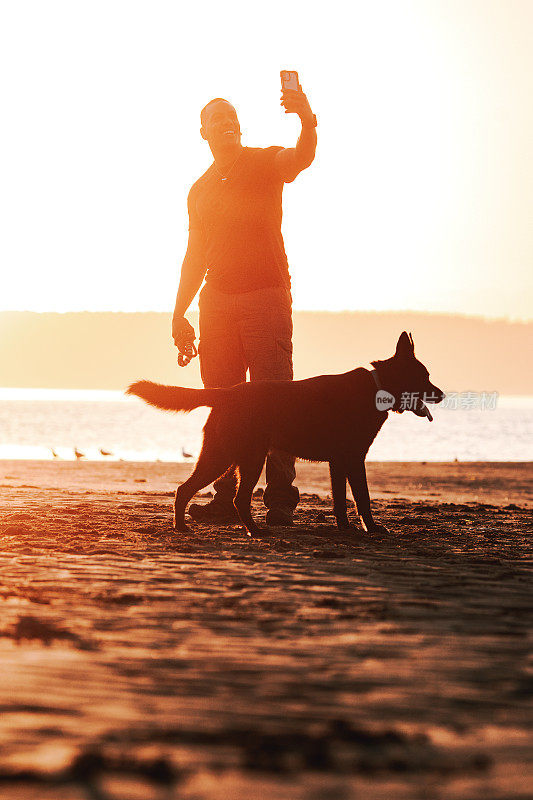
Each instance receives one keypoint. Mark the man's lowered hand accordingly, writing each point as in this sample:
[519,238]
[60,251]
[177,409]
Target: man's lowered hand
[182,333]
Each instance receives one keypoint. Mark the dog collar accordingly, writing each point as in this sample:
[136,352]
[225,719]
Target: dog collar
[375,375]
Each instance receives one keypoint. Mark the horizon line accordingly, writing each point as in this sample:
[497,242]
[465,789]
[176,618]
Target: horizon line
[467,315]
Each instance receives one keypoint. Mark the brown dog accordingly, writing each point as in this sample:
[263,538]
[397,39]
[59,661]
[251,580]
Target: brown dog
[331,418]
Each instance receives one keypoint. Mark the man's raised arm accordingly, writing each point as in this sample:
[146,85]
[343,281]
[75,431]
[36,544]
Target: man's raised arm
[292,160]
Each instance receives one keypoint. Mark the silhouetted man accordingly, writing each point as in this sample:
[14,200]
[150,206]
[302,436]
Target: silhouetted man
[235,242]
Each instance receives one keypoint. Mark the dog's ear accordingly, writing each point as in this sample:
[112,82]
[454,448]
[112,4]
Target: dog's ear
[405,346]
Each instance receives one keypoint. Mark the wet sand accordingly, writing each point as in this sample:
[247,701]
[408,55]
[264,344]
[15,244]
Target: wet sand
[306,664]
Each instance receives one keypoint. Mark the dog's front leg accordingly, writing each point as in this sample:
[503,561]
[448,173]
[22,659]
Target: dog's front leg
[359,486]
[337,471]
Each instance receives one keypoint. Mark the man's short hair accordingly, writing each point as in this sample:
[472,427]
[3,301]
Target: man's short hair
[215,100]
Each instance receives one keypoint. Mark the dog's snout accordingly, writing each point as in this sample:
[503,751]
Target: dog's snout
[436,393]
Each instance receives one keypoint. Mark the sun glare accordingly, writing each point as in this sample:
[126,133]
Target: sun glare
[414,196]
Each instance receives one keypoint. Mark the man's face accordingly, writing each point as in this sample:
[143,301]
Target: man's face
[221,126]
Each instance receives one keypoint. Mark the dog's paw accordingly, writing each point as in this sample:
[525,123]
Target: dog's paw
[255,530]
[181,528]
[375,528]
[345,525]
[262,532]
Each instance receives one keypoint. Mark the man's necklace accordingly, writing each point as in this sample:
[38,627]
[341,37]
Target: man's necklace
[225,177]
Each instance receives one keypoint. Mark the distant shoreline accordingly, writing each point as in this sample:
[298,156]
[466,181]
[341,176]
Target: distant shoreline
[108,350]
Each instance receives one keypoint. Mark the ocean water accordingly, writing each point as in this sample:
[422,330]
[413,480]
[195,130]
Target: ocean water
[49,423]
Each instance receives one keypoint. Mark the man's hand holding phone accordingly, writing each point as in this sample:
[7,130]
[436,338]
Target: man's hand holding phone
[293,99]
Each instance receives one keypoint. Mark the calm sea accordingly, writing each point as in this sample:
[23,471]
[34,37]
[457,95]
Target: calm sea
[49,423]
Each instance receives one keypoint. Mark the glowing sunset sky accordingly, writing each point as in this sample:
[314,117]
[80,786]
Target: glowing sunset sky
[421,195]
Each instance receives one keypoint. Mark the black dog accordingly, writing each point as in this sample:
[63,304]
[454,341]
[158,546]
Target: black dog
[331,418]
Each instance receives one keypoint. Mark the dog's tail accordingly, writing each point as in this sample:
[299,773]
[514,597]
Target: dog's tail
[174,398]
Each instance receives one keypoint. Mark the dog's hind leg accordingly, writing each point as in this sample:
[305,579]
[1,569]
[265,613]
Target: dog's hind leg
[337,471]
[205,472]
[215,458]
[359,487]
[250,466]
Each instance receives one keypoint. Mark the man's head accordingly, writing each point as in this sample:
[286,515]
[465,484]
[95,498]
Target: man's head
[220,125]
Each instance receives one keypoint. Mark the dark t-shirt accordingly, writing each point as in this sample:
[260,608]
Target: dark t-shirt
[240,219]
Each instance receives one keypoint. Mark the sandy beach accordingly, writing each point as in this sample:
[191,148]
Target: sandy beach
[309,663]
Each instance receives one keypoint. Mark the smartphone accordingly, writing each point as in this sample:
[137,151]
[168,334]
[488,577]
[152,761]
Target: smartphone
[289,80]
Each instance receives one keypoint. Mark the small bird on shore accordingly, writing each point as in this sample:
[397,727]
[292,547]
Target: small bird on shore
[55,455]
[185,454]
[78,453]
[105,452]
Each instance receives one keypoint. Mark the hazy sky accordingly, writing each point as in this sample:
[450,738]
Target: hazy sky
[421,195]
